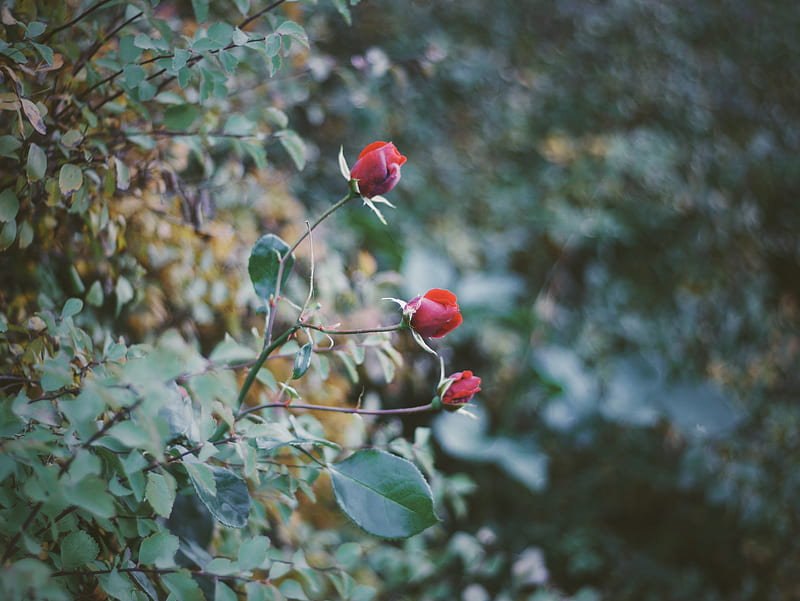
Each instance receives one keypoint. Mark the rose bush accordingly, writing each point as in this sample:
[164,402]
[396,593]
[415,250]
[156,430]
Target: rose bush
[462,387]
[377,169]
[434,314]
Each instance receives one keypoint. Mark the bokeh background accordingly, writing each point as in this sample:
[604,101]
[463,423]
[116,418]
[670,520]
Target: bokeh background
[611,188]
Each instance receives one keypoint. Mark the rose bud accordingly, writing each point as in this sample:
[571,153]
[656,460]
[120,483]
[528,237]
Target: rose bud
[462,387]
[377,169]
[434,314]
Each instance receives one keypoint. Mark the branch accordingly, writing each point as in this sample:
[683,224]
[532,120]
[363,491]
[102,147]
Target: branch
[357,410]
[80,17]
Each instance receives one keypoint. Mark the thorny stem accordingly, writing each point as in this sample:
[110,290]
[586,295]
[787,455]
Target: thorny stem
[403,410]
[334,331]
[282,263]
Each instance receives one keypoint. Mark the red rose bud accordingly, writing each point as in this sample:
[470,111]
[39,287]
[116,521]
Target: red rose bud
[434,314]
[377,169]
[463,386]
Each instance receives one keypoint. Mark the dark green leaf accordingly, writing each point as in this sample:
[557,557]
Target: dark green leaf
[230,506]
[133,75]
[37,163]
[77,549]
[302,361]
[9,205]
[128,51]
[200,10]
[180,117]
[91,494]
[8,234]
[384,494]
[9,146]
[264,265]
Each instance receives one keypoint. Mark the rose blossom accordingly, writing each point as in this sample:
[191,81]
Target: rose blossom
[377,169]
[434,314]
[463,386]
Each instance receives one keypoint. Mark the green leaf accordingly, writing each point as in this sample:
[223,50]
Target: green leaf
[181,116]
[264,265]
[159,550]
[228,60]
[35,29]
[221,33]
[77,549]
[37,163]
[70,179]
[200,10]
[128,51]
[91,494]
[384,494]
[302,361]
[272,45]
[181,586]
[223,592]
[8,234]
[9,146]
[160,493]
[294,146]
[56,373]
[95,294]
[239,37]
[25,234]
[9,205]
[242,5]
[71,138]
[73,306]
[133,75]
[253,553]
[231,505]
[294,31]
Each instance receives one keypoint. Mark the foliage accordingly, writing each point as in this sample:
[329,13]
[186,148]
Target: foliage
[607,187]
[131,469]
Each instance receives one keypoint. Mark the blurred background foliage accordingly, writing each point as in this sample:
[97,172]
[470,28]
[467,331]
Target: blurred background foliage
[610,189]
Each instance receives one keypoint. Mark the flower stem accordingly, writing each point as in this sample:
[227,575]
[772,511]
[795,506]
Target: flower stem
[416,409]
[334,331]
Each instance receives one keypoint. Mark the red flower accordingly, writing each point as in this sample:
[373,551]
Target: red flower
[463,386]
[434,314]
[377,169]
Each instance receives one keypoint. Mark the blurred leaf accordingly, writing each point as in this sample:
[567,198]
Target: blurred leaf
[70,179]
[302,361]
[9,205]
[34,116]
[293,30]
[264,265]
[72,307]
[294,146]
[91,494]
[78,548]
[181,117]
[8,233]
[384,494]
[37,163]
[253,553]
